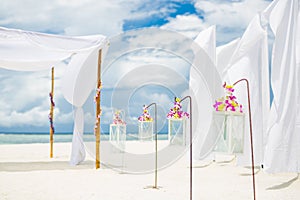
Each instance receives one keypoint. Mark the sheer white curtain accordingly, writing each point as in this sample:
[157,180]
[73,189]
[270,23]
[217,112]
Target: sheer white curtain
[250,61]
[224,54]
[205,85]
[78,149]
[282,152]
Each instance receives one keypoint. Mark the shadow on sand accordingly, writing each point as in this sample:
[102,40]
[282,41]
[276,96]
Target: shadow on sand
[40,166]
[284,185]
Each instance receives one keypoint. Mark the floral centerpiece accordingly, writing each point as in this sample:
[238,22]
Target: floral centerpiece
[118,119]
[228,103]
[176,112]
[145,117]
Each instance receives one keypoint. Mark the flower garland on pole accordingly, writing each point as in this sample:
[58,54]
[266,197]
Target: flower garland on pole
[97,96]
[228,103]
[50,116]
[176,112]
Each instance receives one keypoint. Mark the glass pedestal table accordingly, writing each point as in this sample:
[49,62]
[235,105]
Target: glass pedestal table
[117,136]
[232,127]
[145,130]
[177,131]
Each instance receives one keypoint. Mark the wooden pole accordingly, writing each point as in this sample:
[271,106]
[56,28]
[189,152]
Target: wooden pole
[51,112]
[98,112]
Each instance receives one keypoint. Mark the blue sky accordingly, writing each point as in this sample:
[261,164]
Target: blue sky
[24,98]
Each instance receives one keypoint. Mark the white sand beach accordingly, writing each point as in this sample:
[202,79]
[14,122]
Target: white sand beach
[27,172]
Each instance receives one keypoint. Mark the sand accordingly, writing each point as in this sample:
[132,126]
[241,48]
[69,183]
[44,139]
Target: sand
[27,172]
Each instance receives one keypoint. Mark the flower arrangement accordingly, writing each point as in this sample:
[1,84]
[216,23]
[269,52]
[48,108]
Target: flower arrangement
[145,117]
[98,92]
[118,119]
[228,103]
[96,98]
[176,112]
[51,114]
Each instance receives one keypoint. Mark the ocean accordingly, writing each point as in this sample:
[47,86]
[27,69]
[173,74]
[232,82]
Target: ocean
[30,138]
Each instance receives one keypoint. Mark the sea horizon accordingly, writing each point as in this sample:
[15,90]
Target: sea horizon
[43,137]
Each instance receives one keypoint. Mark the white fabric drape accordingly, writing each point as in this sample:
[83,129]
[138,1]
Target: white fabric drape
[206,39]
[250,61]
[224,54]
[282,152]
[204,89]
[31,51]
[78,149]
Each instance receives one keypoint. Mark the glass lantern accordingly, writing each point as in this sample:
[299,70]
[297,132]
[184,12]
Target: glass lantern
[232,127]
[117,136]
[145,130]
[177,131]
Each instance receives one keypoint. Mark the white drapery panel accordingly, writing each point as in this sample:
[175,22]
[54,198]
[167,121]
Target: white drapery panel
[206,39]
[250,61]
[31,51]
[78,149]
[204,90]
[224,54]
[282,153]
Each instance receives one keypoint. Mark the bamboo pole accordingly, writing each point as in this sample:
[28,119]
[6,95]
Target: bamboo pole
[98,112]
[51,112]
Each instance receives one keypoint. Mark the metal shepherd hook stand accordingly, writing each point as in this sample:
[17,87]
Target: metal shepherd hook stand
[251,137]
[155,130]
[191,147]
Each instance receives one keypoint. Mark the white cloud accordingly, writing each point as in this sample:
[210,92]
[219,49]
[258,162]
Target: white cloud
[236,14]
[24,89]
[189,25]
[63,118]
[36,116]
[25,99]
[231,18]
[75,17]
[145,65]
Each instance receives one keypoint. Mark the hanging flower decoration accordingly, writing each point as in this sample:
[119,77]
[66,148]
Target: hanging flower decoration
[98,92]
[176,112]
[228,103]
[50,114]
[97,96]
[118,119]
[145,117]
[97,122]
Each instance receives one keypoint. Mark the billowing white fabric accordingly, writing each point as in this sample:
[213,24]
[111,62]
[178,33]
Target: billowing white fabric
[78,149]
[282,152]
[205,141]
[250,61]
[31,51]
[78,81]
[206,39]
[224,54]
